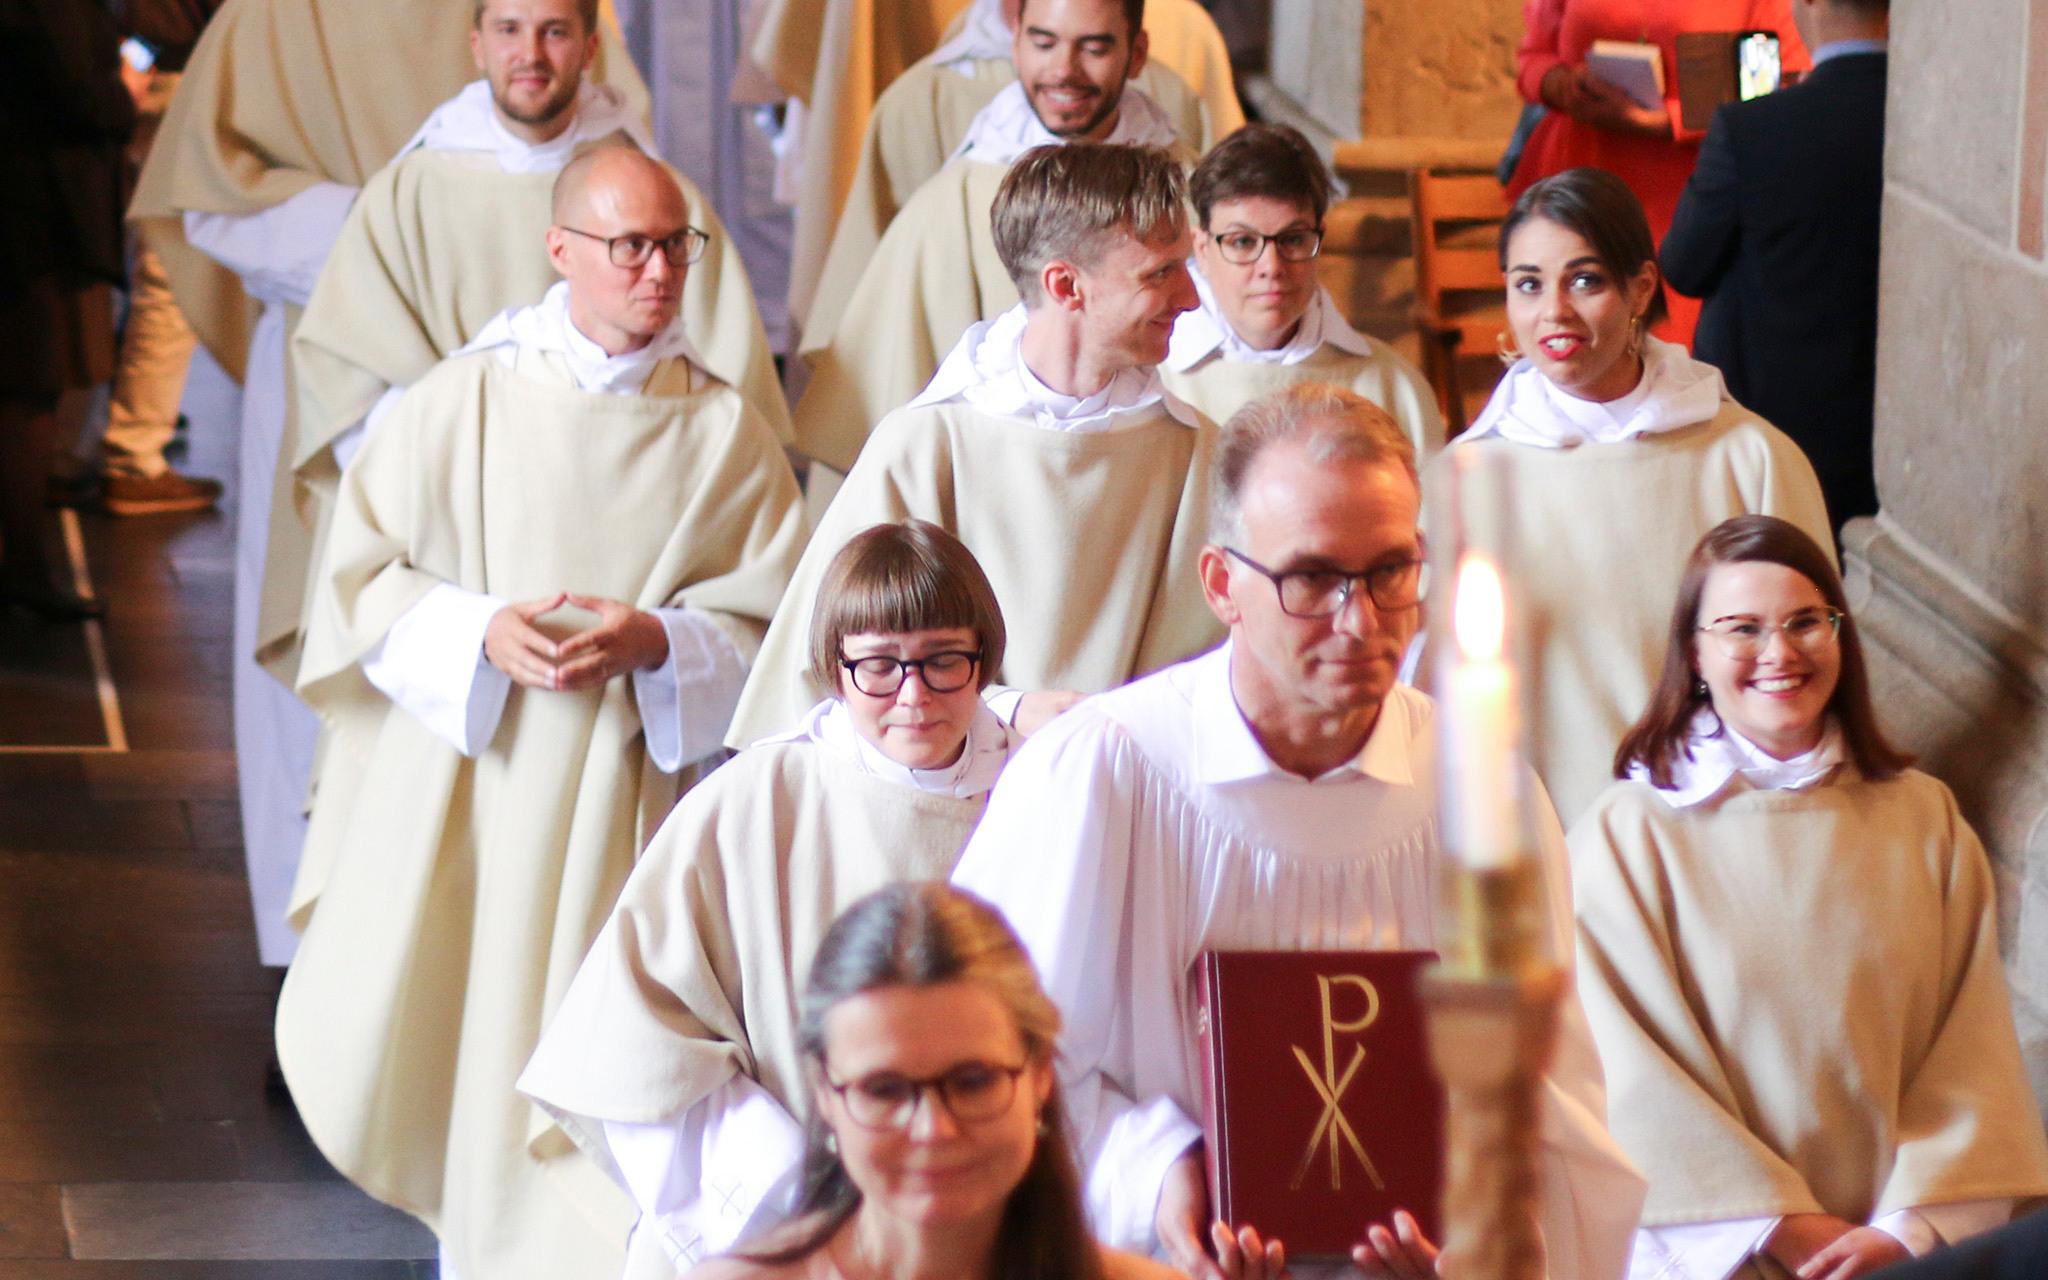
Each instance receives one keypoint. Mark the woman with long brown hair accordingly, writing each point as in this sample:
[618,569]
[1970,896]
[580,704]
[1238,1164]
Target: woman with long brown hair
[937,1143]
[1788,949]
[1619,451]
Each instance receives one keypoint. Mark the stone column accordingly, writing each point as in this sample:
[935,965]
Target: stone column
[1950,580]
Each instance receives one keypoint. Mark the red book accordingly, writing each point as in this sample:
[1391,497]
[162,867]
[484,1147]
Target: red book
[1322,1112]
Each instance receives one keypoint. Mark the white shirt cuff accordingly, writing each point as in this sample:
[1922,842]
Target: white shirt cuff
[686,703]
[279,251]
[1125,1180]
[1004,701]
[727,1169]
[432,665]
[1927,1228]
[1698,1251]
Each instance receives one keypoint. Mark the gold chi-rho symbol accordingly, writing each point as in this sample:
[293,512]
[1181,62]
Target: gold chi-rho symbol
[1334,1128]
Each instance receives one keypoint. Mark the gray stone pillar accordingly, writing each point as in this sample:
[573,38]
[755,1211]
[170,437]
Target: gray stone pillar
[1950,581]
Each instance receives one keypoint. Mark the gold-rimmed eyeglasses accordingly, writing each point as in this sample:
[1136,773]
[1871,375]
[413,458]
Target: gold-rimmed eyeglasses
[1744,638]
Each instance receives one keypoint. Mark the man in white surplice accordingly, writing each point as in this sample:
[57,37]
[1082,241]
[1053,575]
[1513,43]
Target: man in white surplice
[936,271]
[1275,793]
[547,573]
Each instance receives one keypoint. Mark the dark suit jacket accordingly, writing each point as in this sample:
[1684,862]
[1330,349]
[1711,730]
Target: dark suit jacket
[1778,232]
[2015,1252]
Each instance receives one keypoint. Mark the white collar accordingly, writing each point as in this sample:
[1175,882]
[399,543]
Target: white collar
[988,748]
[982,36]
[986,369]
[546,326]
[1715,755]
[468,122]
[1206,330]
[1007,127]
[1226,750]
[1528,408]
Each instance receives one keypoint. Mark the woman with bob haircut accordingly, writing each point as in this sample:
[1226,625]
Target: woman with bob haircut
[1618,451]
[936,1144]
[1788,949]
[673,1058]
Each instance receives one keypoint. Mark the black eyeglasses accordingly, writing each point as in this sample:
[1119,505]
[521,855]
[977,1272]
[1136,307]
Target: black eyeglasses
[880,675]
[1745,638]
[971,1092]
[1297,244]
[1323,593]
[632,250]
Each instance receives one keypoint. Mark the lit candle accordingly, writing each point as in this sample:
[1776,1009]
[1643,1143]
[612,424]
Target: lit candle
[1482,720]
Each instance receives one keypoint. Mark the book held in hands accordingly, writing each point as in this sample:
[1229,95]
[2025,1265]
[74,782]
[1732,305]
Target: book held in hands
[1321,1111]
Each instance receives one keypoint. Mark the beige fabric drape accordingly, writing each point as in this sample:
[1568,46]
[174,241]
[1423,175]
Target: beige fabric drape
[697,974]
[447,902]
[437,244]
[836,57]
[1089,538]
[1595,539]
[1800,1004]
[283,94]
[1220,387]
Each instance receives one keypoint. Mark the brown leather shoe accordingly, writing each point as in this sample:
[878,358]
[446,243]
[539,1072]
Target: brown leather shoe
[155,495]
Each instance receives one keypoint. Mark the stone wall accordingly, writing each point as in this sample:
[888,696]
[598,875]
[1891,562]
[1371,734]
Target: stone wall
[1400,68]
[1951,579]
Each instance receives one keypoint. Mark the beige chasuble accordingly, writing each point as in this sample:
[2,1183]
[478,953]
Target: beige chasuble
[447,901]
[439,242]
[281,95]
[1089,538]
[1799,1001]
[1219,386]
[916,126]
[1596,538]
[696,977]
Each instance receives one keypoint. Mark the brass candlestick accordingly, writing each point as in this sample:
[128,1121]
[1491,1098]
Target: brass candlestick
[1493,1005]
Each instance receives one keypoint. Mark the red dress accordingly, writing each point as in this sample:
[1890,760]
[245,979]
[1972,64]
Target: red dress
[1656,169]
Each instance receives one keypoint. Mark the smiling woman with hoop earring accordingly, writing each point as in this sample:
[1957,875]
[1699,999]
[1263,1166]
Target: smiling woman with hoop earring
[1619,452]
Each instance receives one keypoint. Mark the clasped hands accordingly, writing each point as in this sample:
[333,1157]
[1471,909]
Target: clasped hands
[1820,1246]
[624,640]
[1401,1252]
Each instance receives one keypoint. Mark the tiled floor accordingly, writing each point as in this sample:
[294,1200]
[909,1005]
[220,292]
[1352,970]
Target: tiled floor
[137,1139]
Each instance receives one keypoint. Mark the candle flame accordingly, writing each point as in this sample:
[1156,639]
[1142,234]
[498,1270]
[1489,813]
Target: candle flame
[1479,611]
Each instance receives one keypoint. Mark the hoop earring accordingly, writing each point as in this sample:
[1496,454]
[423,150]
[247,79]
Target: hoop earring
[1504,347]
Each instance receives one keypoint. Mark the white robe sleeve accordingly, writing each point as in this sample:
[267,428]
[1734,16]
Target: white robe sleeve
[727,1169]
[278,253]
[1004,701]
[432,665]
[686,703]
[1698,1251]
[352,439]
[1053,853]
[1927,1228]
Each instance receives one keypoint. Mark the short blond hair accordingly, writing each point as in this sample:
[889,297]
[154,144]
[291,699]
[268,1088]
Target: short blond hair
[913,576]
[1062,202]
[1332,423]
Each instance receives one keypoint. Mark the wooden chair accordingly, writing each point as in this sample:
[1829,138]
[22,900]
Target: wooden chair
[1458,307]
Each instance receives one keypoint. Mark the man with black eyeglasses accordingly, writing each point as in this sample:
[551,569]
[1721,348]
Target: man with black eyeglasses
[1276,793]
[1264,322]
[548,570]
